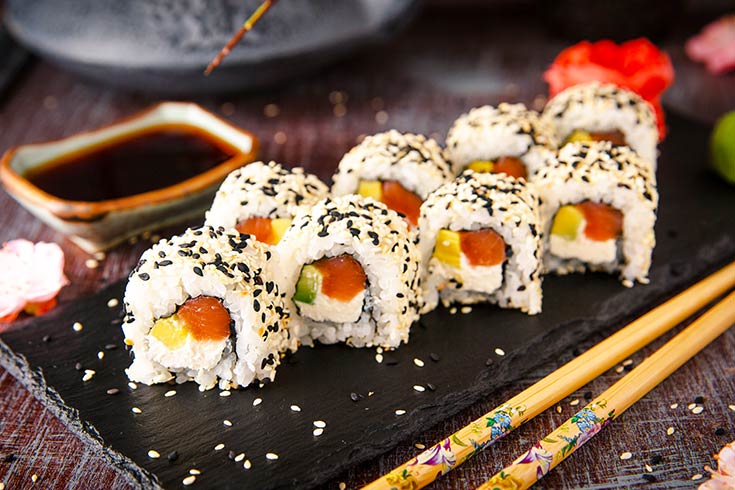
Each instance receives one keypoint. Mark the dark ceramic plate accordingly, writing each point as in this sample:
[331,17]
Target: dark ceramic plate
[163,46]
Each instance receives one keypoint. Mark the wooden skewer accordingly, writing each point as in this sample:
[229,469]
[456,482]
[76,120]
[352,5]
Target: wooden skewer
[451,452]
[264,7]
[561,443]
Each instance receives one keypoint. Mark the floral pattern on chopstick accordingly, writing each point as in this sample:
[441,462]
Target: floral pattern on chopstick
[459,447]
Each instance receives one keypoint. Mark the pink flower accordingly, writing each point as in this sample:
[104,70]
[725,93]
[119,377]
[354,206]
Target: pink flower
[31,276]
[715,45]
[724,477]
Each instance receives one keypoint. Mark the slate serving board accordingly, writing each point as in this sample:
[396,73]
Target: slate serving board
[696,234]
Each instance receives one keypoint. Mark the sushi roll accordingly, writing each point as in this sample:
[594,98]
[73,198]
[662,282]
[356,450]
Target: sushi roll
[598,206]
[399,170]
[261,199]
[480,242]
[349,269]
[509,139]
[200,307]
[604,112]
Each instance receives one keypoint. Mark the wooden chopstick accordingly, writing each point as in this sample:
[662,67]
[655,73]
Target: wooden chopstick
[559,444]
[451,452]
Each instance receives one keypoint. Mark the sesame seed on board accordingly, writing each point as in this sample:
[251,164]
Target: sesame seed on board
[295,408]
[247,464]
[626,455]
[318,431]
[189,480]
[271,456]
[257,402]
[77,327]
[194,471]
[153,454]
[219,447]
[169,393]
[418,362]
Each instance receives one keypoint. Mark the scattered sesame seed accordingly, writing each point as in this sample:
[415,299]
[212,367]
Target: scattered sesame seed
[558,409]
[280,138]
[691,406]
[247,464]
[173,456]
[371,393]
[699,399]
[379,350]
[720,431]
[91,263]
[239,457]
[271,456]
[697,410]
[342,485]
[574,402]
[648,468]
[320,424]
[99,255]
[318,431]
[419,388]
[499,351]
[219,447]
[731,407]
[649,478]
[257,402]
[674,405]
[155,238]
[339,110]
[434,357]
[379,358]
[295,408]
[355,397]
[113,302]
[670,431]
[132,386]
[400,412]
[2,486]
[418,362]
[452,310]
[418,445]
[619,369]
[153,454]
[588,395]
[100,355]
[627,362]
[696,477]
[88,374]
[227,423]
[225,393]
[136,410]
[110,346]
[128,341]
[626,455]
[271,110]
[77,327]
[657,459]
[381,117]
[194,471]
[34,478]
[189,480]
[466,309]
[113,391]
[78,366]
[170,393]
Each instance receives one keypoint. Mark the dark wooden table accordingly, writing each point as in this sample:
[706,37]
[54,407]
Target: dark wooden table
[443,65]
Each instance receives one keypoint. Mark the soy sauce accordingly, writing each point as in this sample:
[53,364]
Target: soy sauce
[139,163]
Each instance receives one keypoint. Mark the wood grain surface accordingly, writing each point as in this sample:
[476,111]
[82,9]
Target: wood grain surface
[443,65]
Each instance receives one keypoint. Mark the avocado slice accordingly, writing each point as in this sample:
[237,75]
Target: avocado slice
[308,285]
[170,331]
[481,166]
[448,248]
[578,135]
[371,188]
[567,221]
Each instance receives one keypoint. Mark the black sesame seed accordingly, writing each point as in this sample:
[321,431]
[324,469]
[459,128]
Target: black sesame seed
[390,361]
[649,477]
[657,459]
[588,395]
[78,366]
[144,276]
[489,362]
[110,346]
[231,455]
[431,386]
[434,357]
[355,397]
[699,399]
[113,391]
[720,431]
[198,271]
[164,263]
[173,456]
[46,338]
[9,458]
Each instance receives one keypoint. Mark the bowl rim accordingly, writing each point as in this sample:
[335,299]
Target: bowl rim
[23,190]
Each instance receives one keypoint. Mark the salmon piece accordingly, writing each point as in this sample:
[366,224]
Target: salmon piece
[206,318]
[259,227]
[483,247]
[604,222]
[342,277]
[510,166]
[398,198]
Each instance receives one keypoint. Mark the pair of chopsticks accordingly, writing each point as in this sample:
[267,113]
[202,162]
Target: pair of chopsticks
[554,448]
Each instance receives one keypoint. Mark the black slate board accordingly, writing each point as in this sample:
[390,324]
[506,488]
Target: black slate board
[696,231]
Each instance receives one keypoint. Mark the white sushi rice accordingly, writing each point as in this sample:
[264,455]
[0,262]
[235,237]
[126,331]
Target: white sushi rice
[326,309]
[598,107]
[476,201]
[379,239]
[614,175]
[511,130]
[583,248]
[210,262]
[264,191]
[415,161]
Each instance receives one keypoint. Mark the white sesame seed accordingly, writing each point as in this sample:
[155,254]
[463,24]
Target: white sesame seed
[419,388]
[696,477]
[34,478]
[674,405]
[136,410]
[170,393]
[452,310]
[320,424]
[670,431]
[227,423]
[295,408]
[271,456]
[466,309]
[113,302]
[91,263]
[318,431]
[649,469]
[342,485]
[418,445]
[574,402]
[558,409]
[189,480]
[691,406]
[626,455]
[400,412]
[257,402]
[371,393]
[339,110]
[99,255]
[418,362]
[194,471]
[499,351]
[627,362]
[247,464]
[77,327]
[2,486]
[100,355]
[132,386]
[239,457]
[697,410]
[153,454]
[619,369]
[219,447]
[731,407]
[379,358]
[88,374]
[224,393]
